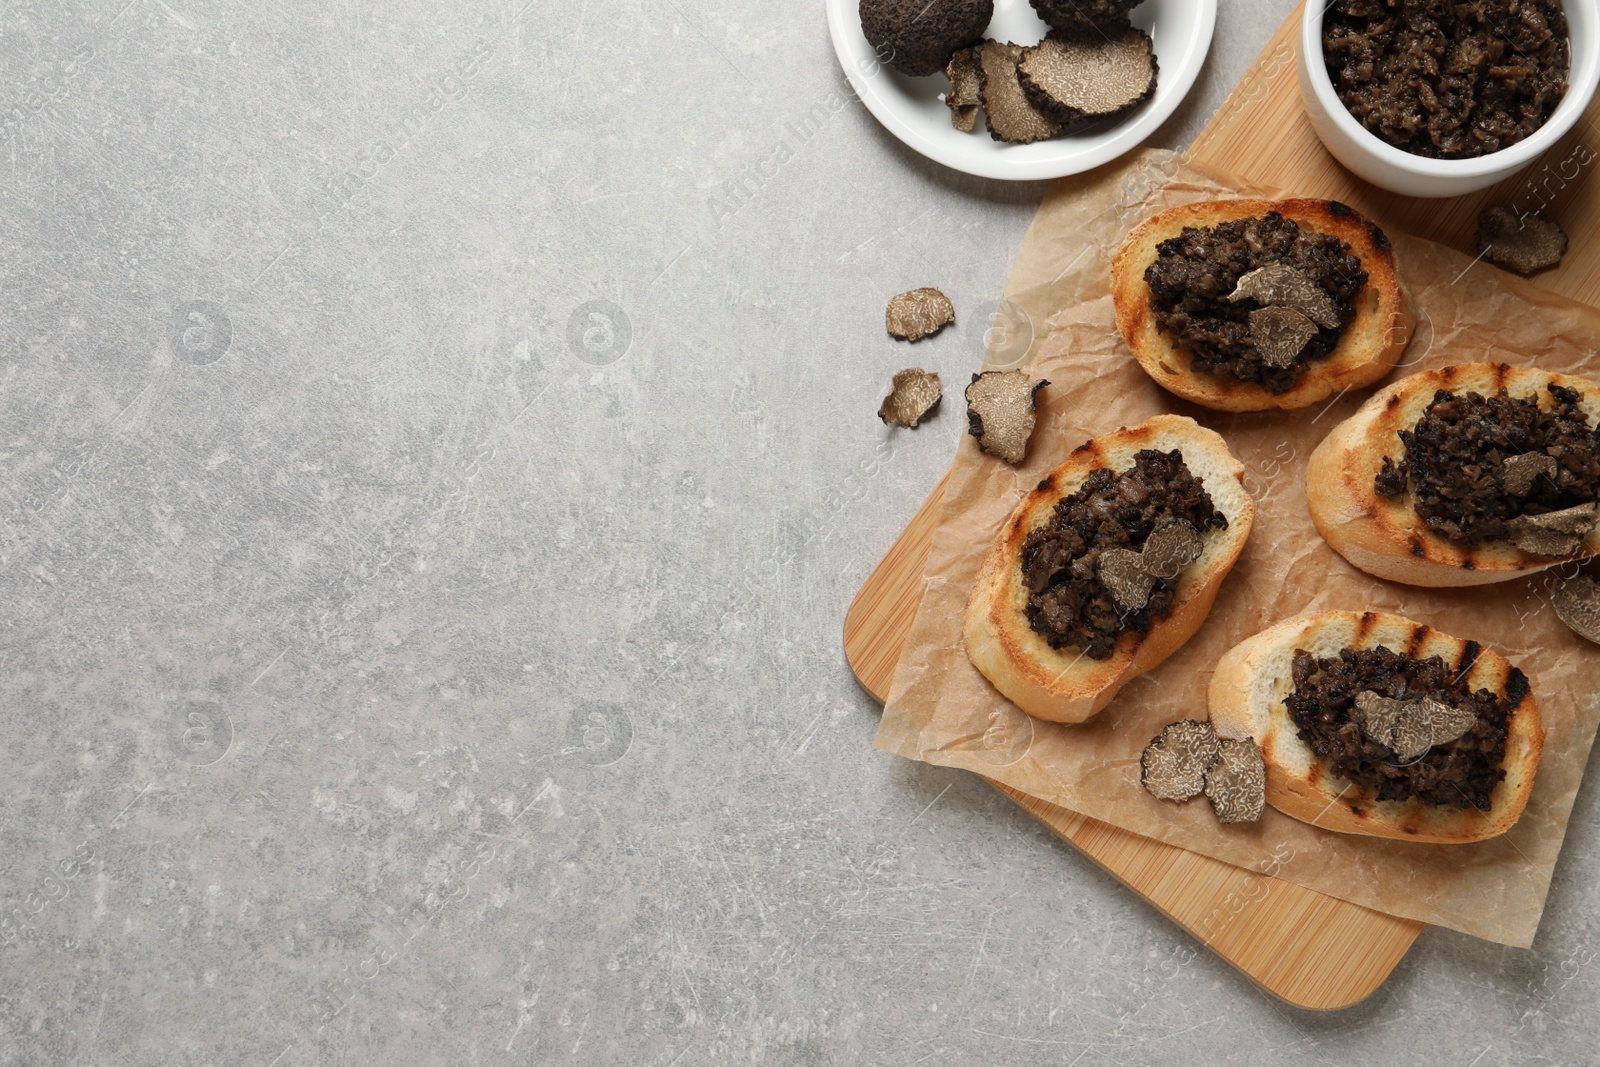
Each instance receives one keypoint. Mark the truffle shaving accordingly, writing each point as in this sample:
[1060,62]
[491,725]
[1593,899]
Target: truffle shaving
[1237,784]
[1280,285]
[918,314]
[962,99]
[1170,549]
[1577,603]
[1519,472]
[1279,334]
[1123,573]
[1012,118]
[1089,76]
[1173,765]
[1525,243]
[914,396]
[1001,412]
[1409,728]
[1554,533]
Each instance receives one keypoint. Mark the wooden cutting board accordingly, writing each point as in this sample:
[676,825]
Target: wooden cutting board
[1312,950]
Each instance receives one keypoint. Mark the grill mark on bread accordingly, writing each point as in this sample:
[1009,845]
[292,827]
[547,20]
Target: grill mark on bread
[1047,484]
[1502,375]
[1517,687]
[1416,639]
[1339,210]
[1417,548]
[1379,238]
[1392,403]
[1469,658]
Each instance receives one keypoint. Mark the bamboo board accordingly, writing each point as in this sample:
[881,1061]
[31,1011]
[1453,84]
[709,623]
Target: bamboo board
[1310,949]
[1314,951]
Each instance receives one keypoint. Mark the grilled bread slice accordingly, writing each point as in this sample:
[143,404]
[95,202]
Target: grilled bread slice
[1385,537]
[1367,350]
[1063,685]
[1253,678]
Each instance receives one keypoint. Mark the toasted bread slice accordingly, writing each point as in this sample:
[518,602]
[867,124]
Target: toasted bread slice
[1064,685]
[1367,350]
[1386,537]
[1253,678]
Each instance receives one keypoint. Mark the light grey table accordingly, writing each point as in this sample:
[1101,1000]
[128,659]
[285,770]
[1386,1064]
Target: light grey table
[429,510]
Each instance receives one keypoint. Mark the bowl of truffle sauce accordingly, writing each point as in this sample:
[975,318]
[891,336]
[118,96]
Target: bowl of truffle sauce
[1436,98]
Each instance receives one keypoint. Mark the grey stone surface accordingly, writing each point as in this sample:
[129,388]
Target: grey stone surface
[430,501]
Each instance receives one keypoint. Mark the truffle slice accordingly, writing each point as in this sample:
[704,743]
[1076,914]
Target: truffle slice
[1173,765]
[1085,14]
[1409,728]
[1089,76]
[917,314]
[1001,412]
[918,37]
[1280,285]
[1171,548]
[1237,784]
[964,73]
[914,396]
[1011,117]
[1279,334]
[1519,472]
[1555,533]
[1577,603]
[1525,243]
[1123,573]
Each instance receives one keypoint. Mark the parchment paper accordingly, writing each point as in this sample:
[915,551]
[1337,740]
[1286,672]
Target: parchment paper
[941,710]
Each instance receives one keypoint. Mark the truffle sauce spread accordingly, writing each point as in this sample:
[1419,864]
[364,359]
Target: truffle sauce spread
[1458,774]
[1446,79]
[1067,604]
[1454,461]
[1195,272]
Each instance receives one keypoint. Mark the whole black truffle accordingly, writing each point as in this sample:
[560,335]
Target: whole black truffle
[1084,14]
[918,37]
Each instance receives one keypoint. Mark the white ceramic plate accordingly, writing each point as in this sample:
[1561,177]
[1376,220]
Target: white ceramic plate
[912,110]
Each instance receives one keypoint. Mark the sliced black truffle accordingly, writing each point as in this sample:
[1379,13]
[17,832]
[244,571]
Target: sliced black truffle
[918,37]
[1086,77]
[1171,548]
[1577,603]
[1012,118]
[1519,473]
[1131,576]
[1554,533]
[1525,243]
[1085,14]
[1280,334]
[1126,578]
[1237,784]
[1409,728]
[913,396]
[965,75]
[1001,412]
[1280,285]
[917,314]
[1173,765]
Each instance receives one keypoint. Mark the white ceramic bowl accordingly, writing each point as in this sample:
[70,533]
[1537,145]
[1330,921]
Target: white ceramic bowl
[911,109]
[1399,171]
